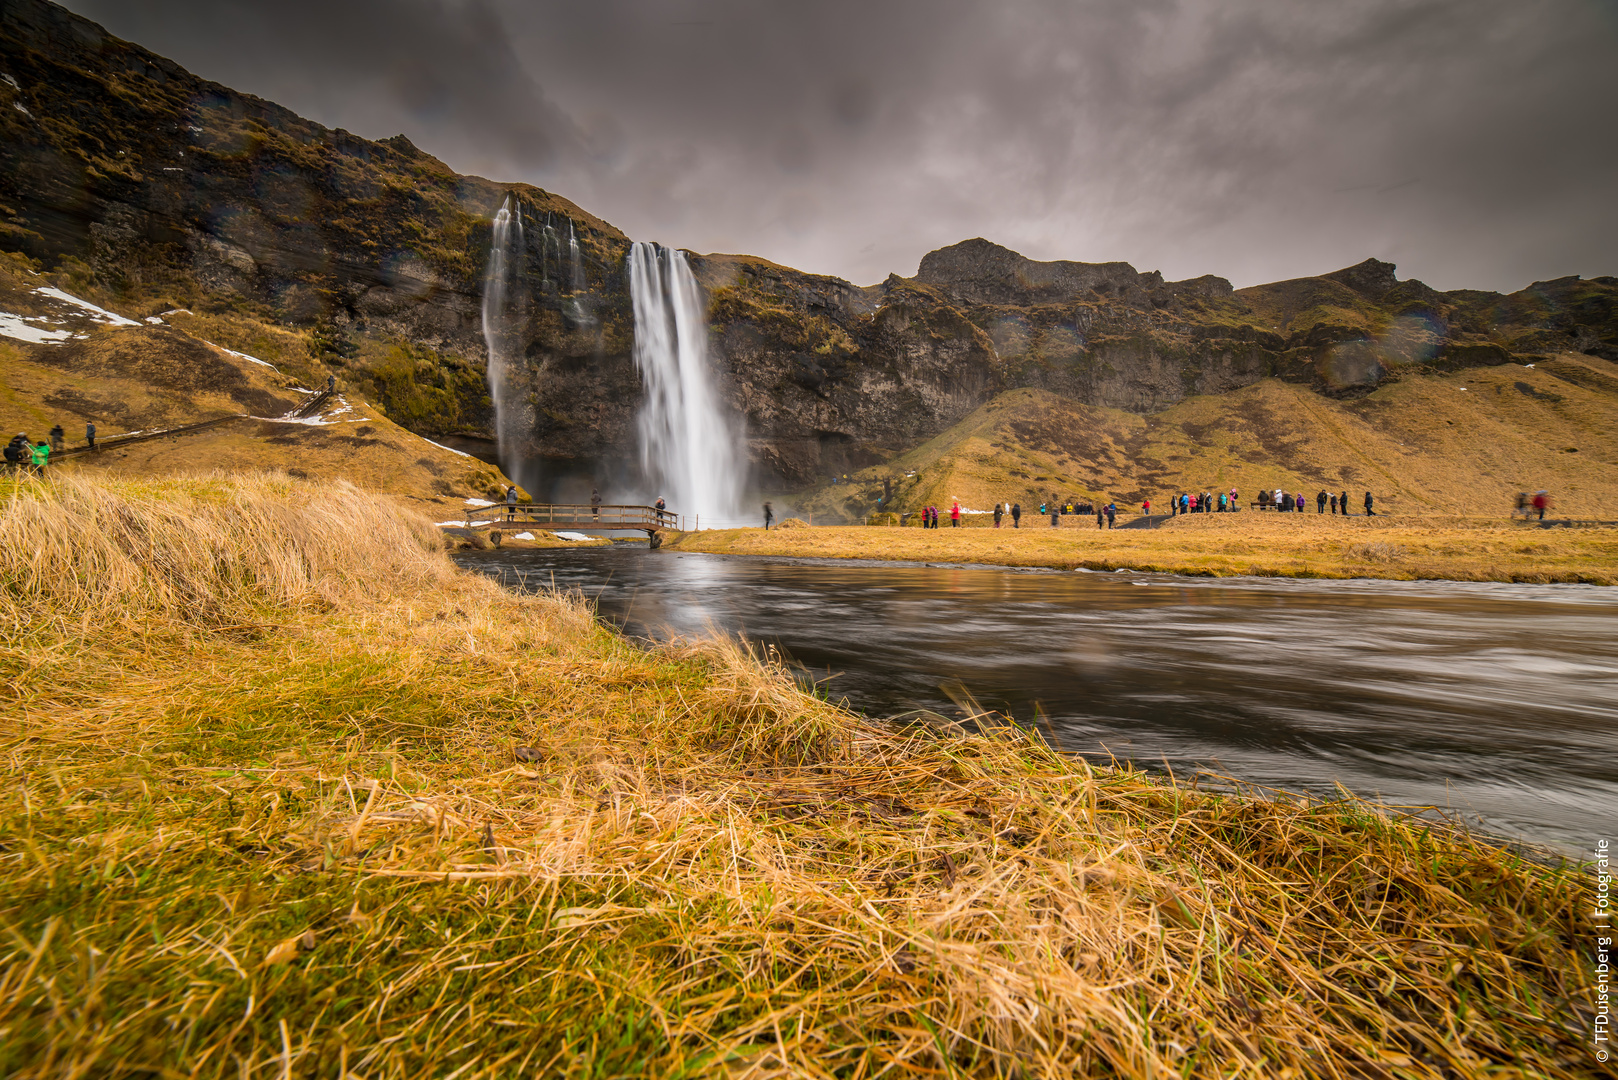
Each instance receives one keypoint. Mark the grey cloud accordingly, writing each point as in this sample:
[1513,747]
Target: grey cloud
[1258,139]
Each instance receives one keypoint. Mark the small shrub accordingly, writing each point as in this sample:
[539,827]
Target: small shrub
[1379,551]
[793,523]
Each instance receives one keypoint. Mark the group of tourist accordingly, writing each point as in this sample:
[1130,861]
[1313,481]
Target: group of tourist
[1528,506]
[1205,502]
[929,515]
[1278,500]
[24,454]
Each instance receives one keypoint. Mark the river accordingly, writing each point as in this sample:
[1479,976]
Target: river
[1497,702]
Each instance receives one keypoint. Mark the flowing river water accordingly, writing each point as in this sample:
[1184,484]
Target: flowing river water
[1497,702]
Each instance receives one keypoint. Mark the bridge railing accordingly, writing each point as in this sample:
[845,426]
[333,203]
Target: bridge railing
[577,516]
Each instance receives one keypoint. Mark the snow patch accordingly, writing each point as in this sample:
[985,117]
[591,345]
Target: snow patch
[20,107]
[441,446]
[479,502]
[523,536]
[175,311]
[309,421]
[241,355]
[451,524]
[9,81]
[154,320]
[572,536]
[13,326]
[98,313]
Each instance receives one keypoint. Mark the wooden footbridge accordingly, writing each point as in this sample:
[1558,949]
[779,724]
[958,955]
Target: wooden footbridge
[606,517]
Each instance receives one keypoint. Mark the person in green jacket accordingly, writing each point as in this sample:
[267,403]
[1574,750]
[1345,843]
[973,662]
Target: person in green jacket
[42,454]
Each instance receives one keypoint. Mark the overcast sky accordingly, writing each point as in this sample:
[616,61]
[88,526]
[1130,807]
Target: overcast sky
[1473,142]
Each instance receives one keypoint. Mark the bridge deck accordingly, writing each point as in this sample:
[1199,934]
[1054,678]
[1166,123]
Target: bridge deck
[607,517]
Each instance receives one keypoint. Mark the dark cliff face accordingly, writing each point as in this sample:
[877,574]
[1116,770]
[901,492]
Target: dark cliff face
[163,189]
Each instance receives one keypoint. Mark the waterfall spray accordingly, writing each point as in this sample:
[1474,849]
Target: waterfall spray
[690,446]
[501,295]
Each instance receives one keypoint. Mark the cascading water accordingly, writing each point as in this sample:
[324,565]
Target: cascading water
[576,278]
[690,446]
[501,297]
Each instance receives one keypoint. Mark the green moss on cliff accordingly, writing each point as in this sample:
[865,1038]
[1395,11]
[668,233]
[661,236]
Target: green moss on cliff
[421,389]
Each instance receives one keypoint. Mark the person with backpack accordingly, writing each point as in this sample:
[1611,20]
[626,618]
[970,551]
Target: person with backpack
[1542,502]
[1334,503]
[1320,501]
[1112,514]
[511,503]
[41,455]
[997,507]
[13,457]
[90,434]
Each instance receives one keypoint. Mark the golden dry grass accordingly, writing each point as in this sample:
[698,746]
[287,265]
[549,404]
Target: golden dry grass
[1221,545]
[263,818]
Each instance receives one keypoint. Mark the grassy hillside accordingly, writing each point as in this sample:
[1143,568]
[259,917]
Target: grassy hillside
[287,795]
[131,375]
[1429,443]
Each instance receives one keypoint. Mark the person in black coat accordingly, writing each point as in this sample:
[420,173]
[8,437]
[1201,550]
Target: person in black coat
[1368,511]
[1016,515]
[1343,501]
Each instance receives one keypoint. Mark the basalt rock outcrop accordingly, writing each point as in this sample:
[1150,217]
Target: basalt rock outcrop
[161,189]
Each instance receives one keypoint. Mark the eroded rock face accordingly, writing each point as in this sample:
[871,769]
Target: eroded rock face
[163,184]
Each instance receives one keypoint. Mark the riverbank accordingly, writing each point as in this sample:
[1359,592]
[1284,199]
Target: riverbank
[1220,545]
[288,793]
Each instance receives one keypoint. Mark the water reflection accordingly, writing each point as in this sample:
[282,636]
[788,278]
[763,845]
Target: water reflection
[1500,701]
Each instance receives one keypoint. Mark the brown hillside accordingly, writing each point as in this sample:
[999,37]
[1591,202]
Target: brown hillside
[1461,443]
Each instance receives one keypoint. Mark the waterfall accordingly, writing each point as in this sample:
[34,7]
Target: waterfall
[690,446]
[502,294]
[581,314]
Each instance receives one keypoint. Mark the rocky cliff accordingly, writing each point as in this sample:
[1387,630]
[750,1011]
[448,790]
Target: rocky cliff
[157,189]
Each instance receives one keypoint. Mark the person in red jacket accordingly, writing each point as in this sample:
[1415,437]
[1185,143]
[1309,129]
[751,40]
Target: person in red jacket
[955,514]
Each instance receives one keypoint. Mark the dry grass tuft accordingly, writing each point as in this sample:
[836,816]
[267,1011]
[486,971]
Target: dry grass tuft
[309,847]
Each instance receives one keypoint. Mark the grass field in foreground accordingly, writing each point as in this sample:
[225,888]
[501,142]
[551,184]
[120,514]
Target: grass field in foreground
[287,795]
[1259,544]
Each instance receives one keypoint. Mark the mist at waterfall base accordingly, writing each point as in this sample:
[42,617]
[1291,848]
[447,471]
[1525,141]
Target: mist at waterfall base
[691,444]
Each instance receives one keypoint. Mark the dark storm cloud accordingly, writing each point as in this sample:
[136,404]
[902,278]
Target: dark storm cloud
[1468,141]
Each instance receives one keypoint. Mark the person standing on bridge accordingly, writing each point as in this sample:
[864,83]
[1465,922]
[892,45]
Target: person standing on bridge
[511,503]
[595,504]
[769,516]
[90,434]
[331,382]
[58,437]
